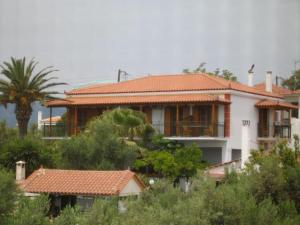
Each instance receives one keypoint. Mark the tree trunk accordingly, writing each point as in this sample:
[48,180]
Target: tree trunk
[23,114]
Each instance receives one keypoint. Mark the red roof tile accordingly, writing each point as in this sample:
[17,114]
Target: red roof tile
[166,83]
[275,105]
[276,89]
[78,182]
[54,119]
[295,92]
[146,99]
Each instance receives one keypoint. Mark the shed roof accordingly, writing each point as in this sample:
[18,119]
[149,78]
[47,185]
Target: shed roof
[79,182]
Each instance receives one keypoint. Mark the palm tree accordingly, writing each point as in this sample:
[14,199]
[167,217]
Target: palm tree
[22,87]
[130,123]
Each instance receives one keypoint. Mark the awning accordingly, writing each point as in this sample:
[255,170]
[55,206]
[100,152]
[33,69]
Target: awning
[131,100]
[266,104]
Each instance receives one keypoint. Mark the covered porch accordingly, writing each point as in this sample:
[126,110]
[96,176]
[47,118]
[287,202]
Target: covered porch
[187,115]
[274,119]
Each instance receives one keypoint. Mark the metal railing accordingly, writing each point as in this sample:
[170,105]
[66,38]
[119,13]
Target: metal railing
[277,130]
[190,129]
[169,129]
[55,130]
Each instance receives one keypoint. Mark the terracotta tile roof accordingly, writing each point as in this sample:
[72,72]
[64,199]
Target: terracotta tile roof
[166,83]
[295,92]
[217,171]
[275,105]
[276,89]
[146,99]
[217,176]
[78,182]
[54,119]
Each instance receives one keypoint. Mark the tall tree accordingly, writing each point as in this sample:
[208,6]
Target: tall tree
[226,74]
[293,82]
[22,87]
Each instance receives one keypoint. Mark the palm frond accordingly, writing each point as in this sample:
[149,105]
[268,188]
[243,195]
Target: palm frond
[21,82]
[51,85]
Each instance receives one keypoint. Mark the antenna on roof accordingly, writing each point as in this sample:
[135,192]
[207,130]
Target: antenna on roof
[119,75]
[251,69]
[120,72]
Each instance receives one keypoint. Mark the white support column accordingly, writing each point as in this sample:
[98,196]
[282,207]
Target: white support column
[40,117]
[245,141]
[226,152]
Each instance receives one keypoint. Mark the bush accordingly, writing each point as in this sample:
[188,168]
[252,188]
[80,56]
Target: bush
[34,151]
[99,147]
[8,194]
[180,162]
[6,133]
[31,211]
[69,216]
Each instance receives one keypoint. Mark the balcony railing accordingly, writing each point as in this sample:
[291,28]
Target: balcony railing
[55,130]
[190,129]
[172,129]
[276,130]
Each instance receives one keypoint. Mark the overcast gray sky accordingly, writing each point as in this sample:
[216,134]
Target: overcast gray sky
[88,40]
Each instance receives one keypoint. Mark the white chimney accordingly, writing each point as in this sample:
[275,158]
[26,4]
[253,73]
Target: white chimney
[269,81]
[20,170]
[245,142]
[40,117]
[250,79]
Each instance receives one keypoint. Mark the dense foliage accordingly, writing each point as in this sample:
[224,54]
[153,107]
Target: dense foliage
[34,151]
[174,163]
[8,194]
[266,192]
[293,82]
[226,74]
[31,149]
[100,147]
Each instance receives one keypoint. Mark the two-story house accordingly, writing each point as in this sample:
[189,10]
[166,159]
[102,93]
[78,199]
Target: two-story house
[189,108]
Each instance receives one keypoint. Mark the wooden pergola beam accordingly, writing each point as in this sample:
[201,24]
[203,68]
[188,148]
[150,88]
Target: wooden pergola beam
[75,119]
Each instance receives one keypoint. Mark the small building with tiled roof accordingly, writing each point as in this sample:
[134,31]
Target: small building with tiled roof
[200,108]
[78,186]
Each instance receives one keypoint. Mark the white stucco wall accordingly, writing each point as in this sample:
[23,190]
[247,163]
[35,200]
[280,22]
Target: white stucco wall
[210,144]
[132,188]
[295,129]
[243,108]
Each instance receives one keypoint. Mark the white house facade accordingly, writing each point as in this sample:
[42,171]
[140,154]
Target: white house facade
[192,108]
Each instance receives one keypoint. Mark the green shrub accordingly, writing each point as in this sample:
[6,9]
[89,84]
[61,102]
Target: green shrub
[99,147]
[34,151]
[31,211]
[8,194]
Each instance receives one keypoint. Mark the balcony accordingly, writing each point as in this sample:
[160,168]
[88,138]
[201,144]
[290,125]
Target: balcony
[56,130]
[275,130]
[190,129]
